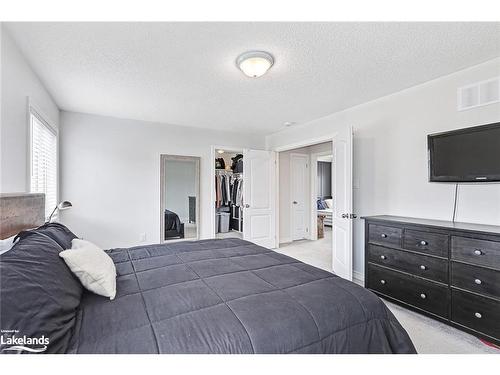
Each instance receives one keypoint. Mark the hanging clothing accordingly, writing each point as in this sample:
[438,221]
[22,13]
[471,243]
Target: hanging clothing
[217,191]
[220,163]
[239,194]
[222,190]
[234,188]
[235,160]
[228,189]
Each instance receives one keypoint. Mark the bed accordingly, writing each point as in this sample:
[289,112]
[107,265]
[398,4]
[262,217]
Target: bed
[174,228]
[208,296]
[325,208]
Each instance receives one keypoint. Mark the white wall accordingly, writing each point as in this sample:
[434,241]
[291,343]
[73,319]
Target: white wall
[390,152]
[110,171]
[18,82]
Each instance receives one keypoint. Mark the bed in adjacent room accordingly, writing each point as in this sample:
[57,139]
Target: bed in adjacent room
[174,228]
[209,296]
[325,208]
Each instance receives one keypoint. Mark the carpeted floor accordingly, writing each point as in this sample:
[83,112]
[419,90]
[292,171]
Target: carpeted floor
[428,335]
[432,337]
[316,253]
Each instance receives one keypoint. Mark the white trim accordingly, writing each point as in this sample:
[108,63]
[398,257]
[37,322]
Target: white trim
[277,203]
[358,276]
[163,160]
[314,187]
[306,142]
[44,117]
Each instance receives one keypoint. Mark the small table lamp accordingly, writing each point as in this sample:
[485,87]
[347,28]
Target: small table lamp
[64,205]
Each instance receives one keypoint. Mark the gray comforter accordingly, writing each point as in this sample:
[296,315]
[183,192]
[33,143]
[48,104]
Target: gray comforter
[231,296]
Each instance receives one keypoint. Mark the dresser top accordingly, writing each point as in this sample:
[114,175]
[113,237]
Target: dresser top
[493,229]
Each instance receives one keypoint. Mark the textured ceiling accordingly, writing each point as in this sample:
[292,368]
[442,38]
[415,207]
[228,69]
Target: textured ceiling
[185,73]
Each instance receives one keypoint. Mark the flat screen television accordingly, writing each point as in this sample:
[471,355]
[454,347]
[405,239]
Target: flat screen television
[465,155]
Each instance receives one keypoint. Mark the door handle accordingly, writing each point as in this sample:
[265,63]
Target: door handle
[295,202]
[353,216]
[345,216]
[247,205]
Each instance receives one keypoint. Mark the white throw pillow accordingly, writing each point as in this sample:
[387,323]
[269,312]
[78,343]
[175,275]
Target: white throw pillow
[93,267]
[6,245]
[77,243]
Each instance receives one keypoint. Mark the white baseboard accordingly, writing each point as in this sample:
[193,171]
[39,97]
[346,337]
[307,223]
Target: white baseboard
[285,240]
[359,276]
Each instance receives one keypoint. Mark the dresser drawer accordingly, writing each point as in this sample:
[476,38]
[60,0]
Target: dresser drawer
[420,293]
[426,242]
[384,235]
[479,313]
[420,265]
[481,252]
[476,279]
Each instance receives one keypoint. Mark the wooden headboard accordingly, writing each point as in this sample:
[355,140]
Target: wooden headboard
[20,211]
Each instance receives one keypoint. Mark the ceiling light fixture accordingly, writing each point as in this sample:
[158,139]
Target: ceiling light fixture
[289,123]
[255,63]
[220,151]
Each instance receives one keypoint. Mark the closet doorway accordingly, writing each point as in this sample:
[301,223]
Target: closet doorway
[244,195]
[228,188]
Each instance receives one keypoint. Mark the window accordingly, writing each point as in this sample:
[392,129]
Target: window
[43,160]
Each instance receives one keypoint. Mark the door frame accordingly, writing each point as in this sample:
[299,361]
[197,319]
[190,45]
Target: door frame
[303,143]
[308,208]
[314,186]
[213,154]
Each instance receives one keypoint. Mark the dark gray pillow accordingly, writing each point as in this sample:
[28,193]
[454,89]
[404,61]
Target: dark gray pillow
[39,294]
[56,231]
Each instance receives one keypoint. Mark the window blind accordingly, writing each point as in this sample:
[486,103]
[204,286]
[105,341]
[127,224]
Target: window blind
[43,161]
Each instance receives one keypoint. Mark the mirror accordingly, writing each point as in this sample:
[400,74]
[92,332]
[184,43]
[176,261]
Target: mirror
[179,201]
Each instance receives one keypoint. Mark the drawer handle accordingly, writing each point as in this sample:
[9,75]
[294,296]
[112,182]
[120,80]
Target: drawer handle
[382,282]
[478,252]
[383,257]
[423,296]
[422,267]
[383,235]
[478,281]
[478,315]
[423,243]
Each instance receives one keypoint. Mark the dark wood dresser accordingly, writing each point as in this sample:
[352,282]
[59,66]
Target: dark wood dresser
[449,271]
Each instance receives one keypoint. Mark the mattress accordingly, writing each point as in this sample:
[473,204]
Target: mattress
[231,296]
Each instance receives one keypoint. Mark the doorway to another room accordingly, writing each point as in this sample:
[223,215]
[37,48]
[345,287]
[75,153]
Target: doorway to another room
[243,194]
[306,204]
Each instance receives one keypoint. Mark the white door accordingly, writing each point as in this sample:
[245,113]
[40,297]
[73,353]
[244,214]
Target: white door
[259,197]
[342,203]
[299,195]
